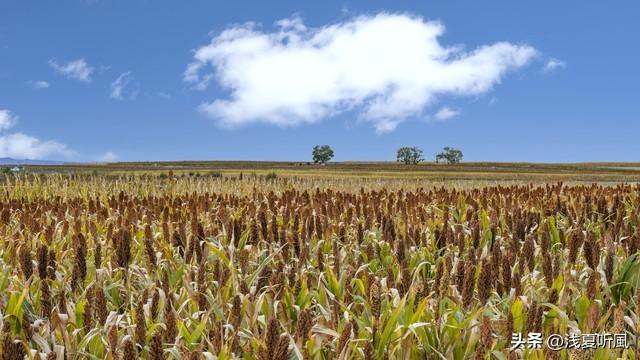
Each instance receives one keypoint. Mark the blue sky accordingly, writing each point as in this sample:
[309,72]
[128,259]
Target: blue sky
[535,81]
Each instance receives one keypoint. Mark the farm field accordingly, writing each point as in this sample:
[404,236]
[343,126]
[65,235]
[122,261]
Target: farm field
[141,262]
[335,180]
[524,172]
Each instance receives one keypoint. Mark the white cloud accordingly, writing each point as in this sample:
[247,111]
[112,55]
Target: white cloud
[22,146]
[387,67]
[554,64]
[109,156]
[124,87]
[446,113]
[76,69]
[7,119]
[39,84]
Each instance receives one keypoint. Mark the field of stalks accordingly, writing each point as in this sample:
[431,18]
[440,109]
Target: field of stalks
[151,267]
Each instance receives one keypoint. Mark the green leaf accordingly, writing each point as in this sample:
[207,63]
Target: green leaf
[626,279]
[256,273]
[390,326]
[333,283]
[553,229]
[582,309]
[419,311]
[14,307]
[564,319]
[499,355]
[219,253]
[604,354]
[197,333]
[516,312]
[360,286]
[558,283]
[183,330]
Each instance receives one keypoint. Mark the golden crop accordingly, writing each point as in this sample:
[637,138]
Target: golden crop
[206,268]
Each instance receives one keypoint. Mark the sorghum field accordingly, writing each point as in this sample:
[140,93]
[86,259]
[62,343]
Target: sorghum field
[180,267]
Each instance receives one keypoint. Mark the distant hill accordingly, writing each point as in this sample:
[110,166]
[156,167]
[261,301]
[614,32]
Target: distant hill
[11,161]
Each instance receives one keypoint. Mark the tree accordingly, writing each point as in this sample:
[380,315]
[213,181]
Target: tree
[322,154]
[409,155]
[450,155]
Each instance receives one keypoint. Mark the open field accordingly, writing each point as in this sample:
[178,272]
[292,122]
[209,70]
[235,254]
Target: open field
[316,263]
[582,172]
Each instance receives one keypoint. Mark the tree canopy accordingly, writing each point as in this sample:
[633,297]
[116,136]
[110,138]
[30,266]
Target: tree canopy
[449,155]
[409,155]
[322,154]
